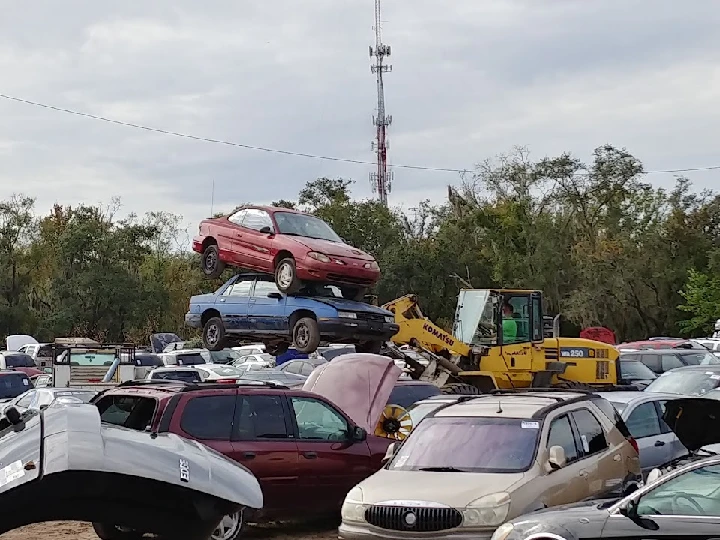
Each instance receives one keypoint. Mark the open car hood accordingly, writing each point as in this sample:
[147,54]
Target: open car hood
[359,383]
[695,421]
[14,342]
[63,464]
[158,342]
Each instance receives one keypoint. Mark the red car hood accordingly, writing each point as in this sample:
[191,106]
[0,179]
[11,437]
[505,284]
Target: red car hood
[359,383]
[332,248]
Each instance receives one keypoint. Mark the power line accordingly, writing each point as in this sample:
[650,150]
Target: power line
[288,152]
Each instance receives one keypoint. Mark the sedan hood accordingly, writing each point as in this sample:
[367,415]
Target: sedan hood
[73,467]
[359,383]
[342,304]
[332,248]
[695,421]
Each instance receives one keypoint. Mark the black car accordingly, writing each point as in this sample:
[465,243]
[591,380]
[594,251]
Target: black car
[683,503]
[662,360]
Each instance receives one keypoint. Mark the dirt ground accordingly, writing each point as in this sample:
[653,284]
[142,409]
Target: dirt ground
[83,531]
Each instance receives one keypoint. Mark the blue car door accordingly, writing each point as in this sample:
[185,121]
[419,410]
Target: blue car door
[267,314]
[233,306]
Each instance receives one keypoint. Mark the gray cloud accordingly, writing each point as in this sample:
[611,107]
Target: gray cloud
[471,79]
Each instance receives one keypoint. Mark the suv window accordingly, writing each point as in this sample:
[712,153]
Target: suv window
[644,421]
[18,360]
[561,434]
[316,420]
[261,417]
[134,412]
[591,432]
[652,361]
[670,361]
[209,417]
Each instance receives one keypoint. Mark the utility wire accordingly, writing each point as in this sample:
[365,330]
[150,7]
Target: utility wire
[287,152]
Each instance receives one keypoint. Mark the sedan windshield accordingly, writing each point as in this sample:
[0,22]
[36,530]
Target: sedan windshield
[691,382]
[305,225]
[469,444]
[634,370]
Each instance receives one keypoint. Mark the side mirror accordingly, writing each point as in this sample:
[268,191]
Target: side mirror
[389,453]
[13,416]
[556,458]
[275,295]
[653,476]
[358,434]
[266,230]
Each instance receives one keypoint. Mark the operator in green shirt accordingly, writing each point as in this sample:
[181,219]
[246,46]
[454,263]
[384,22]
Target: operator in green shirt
[509,325]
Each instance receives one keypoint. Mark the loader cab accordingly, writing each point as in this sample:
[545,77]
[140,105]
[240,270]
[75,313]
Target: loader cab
[497,317]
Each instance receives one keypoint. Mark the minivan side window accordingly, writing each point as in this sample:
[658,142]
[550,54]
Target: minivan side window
[561,434]
[592,436]
[209,417]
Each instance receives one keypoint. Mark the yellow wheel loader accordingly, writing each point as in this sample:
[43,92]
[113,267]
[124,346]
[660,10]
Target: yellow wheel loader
[499,340]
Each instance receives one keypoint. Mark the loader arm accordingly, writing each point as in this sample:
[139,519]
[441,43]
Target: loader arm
[417,330]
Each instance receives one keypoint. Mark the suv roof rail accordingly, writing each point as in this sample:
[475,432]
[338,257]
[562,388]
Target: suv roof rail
[541,390]
[188,386]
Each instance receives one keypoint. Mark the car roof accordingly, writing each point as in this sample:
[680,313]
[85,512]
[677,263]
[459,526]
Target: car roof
[510,405]
[714,368]
[665,351]
[12,372]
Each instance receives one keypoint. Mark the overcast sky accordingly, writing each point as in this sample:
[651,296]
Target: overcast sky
[471,79]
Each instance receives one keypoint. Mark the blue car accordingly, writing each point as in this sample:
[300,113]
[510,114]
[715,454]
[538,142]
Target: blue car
[250,307]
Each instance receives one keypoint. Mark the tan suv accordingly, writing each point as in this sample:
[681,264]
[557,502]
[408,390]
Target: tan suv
[470,466]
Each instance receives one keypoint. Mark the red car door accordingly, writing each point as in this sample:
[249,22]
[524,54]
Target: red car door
[226,232]
[330,462]
[256,241]
[263,441]
[206,416]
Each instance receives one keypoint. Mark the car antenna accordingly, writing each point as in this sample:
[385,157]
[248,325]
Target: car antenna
[499,411]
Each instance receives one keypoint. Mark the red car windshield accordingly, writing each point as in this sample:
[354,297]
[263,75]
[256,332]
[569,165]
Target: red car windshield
[469,444]
[305,225]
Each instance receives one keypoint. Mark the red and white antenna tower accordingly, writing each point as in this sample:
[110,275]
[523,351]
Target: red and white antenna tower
[381,180]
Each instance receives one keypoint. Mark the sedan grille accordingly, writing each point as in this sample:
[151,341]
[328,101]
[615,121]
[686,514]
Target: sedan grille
[410,518]
[370,316]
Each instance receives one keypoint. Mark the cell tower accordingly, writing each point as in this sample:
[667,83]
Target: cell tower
[381,180]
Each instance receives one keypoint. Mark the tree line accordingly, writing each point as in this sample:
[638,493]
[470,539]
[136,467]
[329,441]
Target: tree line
[605,246]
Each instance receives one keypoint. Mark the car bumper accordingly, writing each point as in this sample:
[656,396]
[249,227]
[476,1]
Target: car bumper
[193,320]
[197,244]
[352,273]
[358,330]
[366,532]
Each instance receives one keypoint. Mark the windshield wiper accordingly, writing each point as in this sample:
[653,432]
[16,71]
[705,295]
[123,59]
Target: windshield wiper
[441,469]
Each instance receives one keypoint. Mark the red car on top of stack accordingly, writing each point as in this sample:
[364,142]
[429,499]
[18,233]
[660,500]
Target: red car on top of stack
[298,248]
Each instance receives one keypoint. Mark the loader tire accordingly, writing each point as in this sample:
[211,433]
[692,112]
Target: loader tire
[573,385]
[461,389]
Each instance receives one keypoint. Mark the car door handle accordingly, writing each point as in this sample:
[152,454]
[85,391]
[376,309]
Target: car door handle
[659,443]
[221,299]
[310,455]
[249,455]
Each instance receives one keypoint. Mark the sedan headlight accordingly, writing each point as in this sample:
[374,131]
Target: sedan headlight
[488,511]
[353,509]
[319,256]
[503,531]
[347,314]
[389,319]
[372,265]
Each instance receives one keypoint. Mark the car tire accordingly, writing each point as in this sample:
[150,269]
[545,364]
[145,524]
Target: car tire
[306,335]
[354,293]
[286,276]
[231,527]
[372,347]
[105,531]
[213,334]
[212,266]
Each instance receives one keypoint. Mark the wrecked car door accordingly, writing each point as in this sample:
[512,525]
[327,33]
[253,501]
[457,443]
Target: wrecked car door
[20,454]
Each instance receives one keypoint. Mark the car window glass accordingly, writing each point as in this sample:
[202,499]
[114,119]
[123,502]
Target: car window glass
[652,361]
[561,434]
[670,361]
[19,360]
[241,288]
[209,417]
[134,412]
[694,493]
[292,367]
[45,398]
[306,368]
[592,436]
[256,219]
[644,421]
[260,417]
[237,217]
[13,383]
[263,288]
[25,401]
[660,405]
[318,421]
[699,358]
[406,395]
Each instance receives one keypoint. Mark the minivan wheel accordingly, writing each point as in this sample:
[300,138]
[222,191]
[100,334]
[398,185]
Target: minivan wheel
[229,528]
[213,334]
[306,335]
[115,532]
[212,266]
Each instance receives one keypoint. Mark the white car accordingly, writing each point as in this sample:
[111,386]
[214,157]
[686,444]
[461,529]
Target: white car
[220,373]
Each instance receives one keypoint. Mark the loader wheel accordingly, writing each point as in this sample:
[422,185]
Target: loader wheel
[461,389]
[372,347]
[212,266]
[574,385]
[306,335]
[286,276]
[213,334]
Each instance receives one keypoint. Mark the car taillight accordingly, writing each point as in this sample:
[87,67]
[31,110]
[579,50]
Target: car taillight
[634,444]
[227,381]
